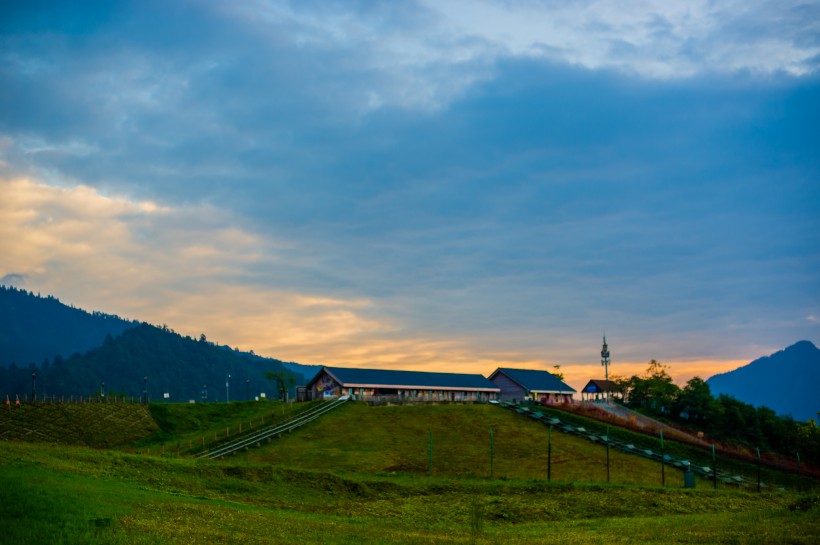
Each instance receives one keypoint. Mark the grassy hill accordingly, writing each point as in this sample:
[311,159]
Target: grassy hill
[361,474]
[99,425]
[358,438]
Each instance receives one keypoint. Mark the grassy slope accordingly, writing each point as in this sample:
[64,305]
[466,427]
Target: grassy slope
[190,424]
[359,474]
[697,455]
[389,439]
[74,495]
[90,424]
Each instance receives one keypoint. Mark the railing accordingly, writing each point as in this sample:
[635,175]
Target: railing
[255,438]
[623,446]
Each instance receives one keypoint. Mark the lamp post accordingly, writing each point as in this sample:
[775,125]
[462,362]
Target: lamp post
[227,389]
[247,389]
[145,390]
[33,386]
[102,389]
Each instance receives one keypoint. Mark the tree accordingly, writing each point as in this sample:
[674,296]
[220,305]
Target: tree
[654,391]
[696,404]
[556,372]
[620,386]
[283,380]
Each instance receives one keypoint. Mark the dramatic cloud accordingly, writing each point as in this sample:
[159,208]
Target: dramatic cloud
[443,185]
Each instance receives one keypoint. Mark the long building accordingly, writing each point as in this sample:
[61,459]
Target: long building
[400,385]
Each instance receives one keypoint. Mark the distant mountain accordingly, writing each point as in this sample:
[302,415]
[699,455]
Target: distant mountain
[35,328]
[74,352]
[785,382]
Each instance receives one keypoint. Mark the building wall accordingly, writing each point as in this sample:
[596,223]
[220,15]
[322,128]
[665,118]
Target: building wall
[418,394]
[325,386]
[509,389]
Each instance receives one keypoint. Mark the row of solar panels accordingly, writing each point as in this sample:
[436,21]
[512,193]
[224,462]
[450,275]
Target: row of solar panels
[597,437]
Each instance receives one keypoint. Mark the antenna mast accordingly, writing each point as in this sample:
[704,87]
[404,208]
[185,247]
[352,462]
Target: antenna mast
[605,363]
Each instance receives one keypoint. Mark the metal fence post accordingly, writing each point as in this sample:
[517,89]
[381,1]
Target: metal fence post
[549,454]
[758,469]
[607,454]
[431,452]
[492,451]
[663,466]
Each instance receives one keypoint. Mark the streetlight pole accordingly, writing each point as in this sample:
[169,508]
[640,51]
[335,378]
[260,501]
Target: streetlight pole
[247,389]
[33,386]
[102,389]
[227,389]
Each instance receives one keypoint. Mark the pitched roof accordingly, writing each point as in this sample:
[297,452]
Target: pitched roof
[600,386]
[535,380]
[388,378]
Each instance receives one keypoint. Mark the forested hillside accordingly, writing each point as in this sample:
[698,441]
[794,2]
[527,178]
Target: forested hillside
[785,381]
[173,364]
[35,328]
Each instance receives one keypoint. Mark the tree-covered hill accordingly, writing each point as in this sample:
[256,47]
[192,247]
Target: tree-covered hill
[785,382]
[35,328]
[74,352]
[173,364]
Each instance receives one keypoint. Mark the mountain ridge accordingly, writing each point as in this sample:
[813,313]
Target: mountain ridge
[72,352]
[34,328]
[782,381]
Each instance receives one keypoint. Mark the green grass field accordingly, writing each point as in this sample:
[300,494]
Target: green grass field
[360,475]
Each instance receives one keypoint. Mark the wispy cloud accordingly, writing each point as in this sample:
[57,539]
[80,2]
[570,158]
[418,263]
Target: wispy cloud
[186,267]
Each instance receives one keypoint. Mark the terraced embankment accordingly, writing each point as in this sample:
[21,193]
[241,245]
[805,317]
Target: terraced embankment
[99,425]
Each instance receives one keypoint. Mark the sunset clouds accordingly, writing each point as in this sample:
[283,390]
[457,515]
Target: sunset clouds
[423,185]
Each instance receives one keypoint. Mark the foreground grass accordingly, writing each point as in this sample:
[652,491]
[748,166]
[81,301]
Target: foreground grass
[52,494]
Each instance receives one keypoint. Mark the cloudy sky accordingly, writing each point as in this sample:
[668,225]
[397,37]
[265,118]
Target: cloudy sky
[442,185]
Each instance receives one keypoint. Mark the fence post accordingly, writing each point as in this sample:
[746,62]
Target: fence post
[549,454]
[492,451]
[607,454]
[431,452]
[758,469]
[714,465]
[663,466]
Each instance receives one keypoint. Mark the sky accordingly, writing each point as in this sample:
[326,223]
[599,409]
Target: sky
[435,186]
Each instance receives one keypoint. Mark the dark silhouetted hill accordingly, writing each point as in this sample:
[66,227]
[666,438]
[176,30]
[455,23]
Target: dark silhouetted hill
[785,382]
[73,352]
[34,328]
[173,364]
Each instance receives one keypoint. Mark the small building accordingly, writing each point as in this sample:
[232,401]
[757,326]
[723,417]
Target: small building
[402,386]
[521,384]
[598,390]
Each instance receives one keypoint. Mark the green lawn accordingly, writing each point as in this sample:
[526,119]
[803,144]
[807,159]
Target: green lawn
[360,475]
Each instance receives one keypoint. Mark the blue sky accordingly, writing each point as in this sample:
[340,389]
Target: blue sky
[423,185]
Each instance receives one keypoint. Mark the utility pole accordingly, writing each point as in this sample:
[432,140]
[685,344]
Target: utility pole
[605,363]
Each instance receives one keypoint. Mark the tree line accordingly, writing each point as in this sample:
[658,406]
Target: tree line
[723,417]
[149,361]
